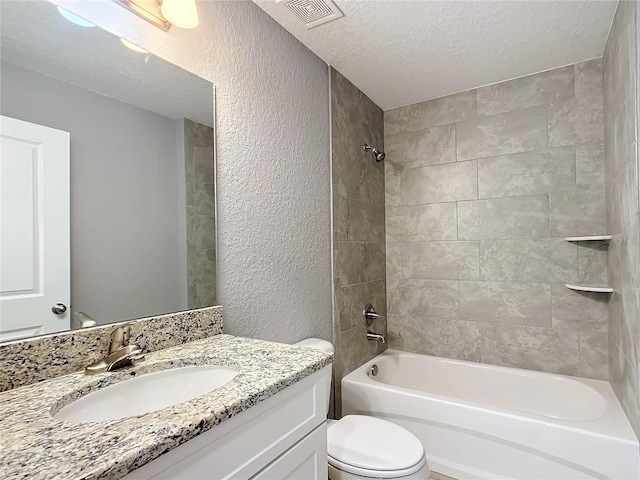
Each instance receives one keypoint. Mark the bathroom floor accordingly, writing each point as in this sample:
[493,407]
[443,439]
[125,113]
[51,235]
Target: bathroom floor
[439,476]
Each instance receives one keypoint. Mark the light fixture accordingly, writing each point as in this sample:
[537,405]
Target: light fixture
[132,46]
[164,13]
[73,18]
[181,13]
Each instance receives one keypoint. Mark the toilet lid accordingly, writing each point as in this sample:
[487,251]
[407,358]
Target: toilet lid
[369,443]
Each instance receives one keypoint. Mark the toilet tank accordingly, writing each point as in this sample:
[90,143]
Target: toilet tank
[319,344]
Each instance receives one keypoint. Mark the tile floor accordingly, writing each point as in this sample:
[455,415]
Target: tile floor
[439,476]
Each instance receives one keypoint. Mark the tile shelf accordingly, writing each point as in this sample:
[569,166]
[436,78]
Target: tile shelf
[598,288]
[590,238]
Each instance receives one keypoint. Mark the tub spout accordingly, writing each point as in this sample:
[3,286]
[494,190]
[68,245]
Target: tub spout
[375,337]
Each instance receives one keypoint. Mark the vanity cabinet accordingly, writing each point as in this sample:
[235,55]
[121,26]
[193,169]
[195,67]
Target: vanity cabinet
[284,436]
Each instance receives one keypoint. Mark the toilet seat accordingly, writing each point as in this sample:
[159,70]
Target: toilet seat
[372,447]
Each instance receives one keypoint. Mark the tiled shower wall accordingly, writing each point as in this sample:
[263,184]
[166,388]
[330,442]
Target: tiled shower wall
[201,237]
[481,188]
[621,172]
[358,226]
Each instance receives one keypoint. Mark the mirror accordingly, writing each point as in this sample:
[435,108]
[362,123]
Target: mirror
[123,142]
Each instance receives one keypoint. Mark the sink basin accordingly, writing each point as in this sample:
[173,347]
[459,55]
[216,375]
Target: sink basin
[146,393]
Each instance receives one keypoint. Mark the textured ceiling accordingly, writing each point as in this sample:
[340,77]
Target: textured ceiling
[402,52]
[35,36]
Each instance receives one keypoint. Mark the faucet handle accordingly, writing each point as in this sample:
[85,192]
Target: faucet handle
[119,337]
[369,315]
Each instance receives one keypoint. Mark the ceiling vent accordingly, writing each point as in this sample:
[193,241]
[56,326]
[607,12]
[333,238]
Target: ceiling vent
[314,12]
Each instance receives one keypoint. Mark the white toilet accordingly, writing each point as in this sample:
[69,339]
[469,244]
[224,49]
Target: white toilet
[360,447]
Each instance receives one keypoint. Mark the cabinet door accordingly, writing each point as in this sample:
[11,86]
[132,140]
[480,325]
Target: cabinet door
[306,460]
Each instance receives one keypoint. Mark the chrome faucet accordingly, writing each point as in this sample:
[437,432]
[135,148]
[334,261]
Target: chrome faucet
[121,353]
[368,316]
[375,337]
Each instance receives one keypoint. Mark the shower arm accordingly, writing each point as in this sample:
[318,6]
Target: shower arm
[378,155]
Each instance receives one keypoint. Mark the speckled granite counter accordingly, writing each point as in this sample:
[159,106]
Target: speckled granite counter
[34,445]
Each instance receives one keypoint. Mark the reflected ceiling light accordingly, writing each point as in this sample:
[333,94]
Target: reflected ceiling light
[164,13]
[181,13]
[73,18]
[132,46]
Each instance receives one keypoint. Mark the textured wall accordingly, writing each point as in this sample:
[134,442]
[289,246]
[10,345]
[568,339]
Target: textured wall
[200,205]
[358,226]
[621,171]
[273,183]
[481,186]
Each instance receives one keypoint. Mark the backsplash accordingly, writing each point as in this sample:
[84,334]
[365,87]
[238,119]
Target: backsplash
[23,362]
[481,188]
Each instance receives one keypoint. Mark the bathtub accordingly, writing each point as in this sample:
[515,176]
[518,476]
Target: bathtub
[481,421]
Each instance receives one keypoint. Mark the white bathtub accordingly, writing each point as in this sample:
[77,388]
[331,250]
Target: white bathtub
[480,421]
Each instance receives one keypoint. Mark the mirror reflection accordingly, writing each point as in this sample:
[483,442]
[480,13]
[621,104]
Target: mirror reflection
[107,178]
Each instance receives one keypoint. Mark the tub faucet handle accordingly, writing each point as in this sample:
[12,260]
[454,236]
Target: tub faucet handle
[369,315]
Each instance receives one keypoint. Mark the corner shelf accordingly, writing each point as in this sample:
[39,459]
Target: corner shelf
[590,238]
[598,288]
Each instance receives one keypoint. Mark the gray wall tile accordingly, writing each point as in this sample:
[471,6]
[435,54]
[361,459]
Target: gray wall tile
[546,349]
[526,92]
[592,262]
[440,111]
[503,218]
[575,121]
[528,260]
[625,381]
[353,298]
[358,196]
[590,165]
[359,180]
[500,244]
[440,260]
[435,336]
[620,65]
[420,148]
[341,216]
[620,131]
[417,223]
[576,212]
[360,262]
[440,183]
[514,132]
[394,261]
[581,311]
[594,355]
[510,303]
[423,298]
[365,221]
[392,185]
[527,173]
[588,77]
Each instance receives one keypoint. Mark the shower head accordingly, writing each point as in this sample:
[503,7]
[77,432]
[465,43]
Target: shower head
[377,154]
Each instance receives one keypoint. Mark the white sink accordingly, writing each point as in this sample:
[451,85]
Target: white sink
[146,393]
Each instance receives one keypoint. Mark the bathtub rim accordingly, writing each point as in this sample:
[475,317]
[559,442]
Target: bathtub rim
[613,424]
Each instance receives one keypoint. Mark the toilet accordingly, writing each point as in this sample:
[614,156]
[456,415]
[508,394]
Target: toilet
[359,446]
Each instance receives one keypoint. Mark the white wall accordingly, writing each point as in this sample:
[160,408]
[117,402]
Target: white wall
[124,196]
[273,161]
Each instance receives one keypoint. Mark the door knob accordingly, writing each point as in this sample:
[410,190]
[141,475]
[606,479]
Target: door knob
[59,308]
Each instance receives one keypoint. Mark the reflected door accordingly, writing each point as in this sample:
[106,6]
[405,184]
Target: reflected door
[34,230]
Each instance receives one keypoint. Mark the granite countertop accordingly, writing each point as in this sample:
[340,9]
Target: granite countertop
[34,445]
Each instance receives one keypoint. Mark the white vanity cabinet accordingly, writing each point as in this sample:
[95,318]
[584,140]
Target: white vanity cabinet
[284,436]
